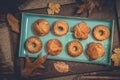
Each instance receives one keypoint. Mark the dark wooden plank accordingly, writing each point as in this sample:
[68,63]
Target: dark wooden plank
[118,7]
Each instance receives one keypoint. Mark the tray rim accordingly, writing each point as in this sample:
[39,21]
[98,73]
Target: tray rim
[71,17]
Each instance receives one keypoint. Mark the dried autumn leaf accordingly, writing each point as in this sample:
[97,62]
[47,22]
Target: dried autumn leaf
[13,22]
[53,8]
[28,70]
[89,6]
[116,57]
[116,50]
[61,67]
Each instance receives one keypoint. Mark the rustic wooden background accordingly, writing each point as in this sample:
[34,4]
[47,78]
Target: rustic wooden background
[76,68]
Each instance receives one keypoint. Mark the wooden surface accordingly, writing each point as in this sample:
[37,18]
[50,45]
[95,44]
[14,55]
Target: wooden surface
[33,4]
[118,7]
[75,67]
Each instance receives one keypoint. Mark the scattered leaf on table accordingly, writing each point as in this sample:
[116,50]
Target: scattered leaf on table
[28,70]
[88,6]
[13,22]
[53,8]
[61,67]
[116,57]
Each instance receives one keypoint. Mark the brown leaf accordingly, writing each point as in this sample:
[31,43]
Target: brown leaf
[13,22]
[81,9]
[89,6]
[27,71]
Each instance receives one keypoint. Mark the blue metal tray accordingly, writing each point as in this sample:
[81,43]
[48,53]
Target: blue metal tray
[27,30]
